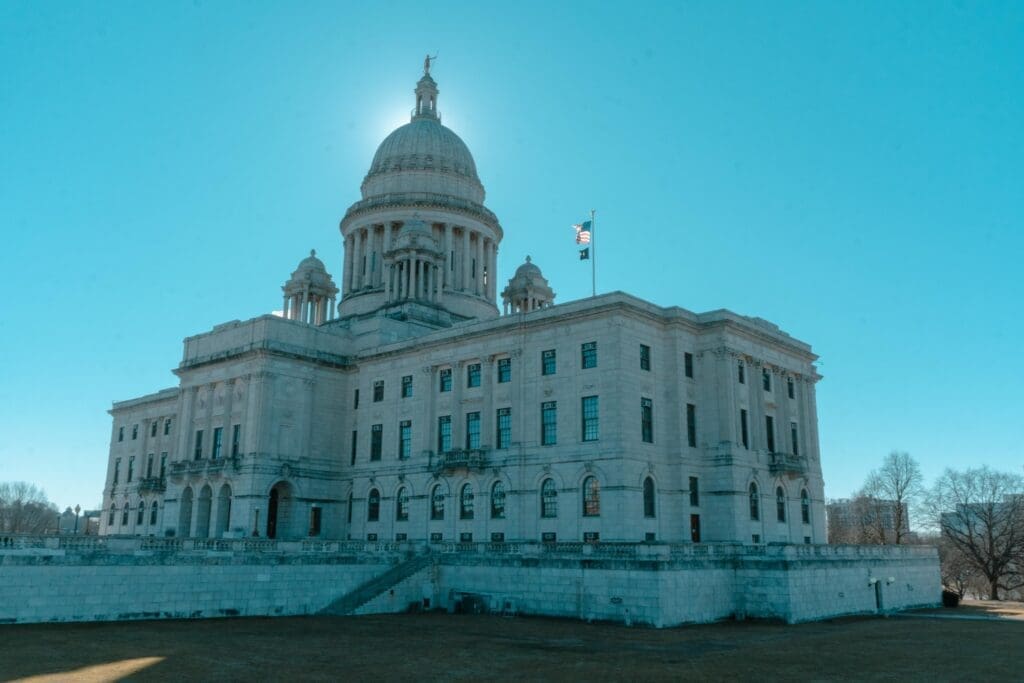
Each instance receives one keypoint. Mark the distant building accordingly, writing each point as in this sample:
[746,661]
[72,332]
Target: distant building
[865,519]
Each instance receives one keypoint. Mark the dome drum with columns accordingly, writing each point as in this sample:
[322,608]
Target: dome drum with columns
[420,233]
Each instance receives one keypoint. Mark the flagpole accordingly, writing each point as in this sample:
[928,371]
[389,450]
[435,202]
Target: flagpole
[593,255]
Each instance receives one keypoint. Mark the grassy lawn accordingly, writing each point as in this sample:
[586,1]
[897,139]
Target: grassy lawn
[439,646]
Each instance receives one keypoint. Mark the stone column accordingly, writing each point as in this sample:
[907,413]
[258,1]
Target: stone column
[478,286]
[408,277]
[446,276]
[464,285]
[330,315]
[387,283]
[387,236]
[304,307]
[493,271]
[284,307]
[347,274]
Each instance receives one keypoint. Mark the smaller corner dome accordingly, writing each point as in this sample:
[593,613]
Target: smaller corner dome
[311,263]
[528,269]
[311,272]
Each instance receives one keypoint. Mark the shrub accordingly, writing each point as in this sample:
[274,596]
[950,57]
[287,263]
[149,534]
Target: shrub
[950,599]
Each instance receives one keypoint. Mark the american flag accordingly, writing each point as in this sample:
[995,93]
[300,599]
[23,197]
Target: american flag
[582,232]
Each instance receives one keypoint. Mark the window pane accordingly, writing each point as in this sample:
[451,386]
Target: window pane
[504,428]
[548,499]
[549,423]
[590,421]
[588,351]
[591,497]
[548,365]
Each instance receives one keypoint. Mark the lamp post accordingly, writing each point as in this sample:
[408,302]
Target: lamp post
[78,508]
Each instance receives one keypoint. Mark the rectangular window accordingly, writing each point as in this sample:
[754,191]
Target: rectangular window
[744,435]
[691,425]
[444,433]
[218,439]
[404,439]
[131,468]
[769,428]
[741,374]
[591,422]
[152,428]
[695,528]
[407,386]
[497,537]
[466,536]
[647,420]
[135,432]
[376,441]
[549,423]
[793,438]
[473,430]
[645,357]
[163,464]
[504,428]
[588,355]
[473,375]
[591,537]
[766,379]
[149,465]
[120,433]
[790,388]
[355,400]
[167,426]
[688,364]
[504,370]
[378,391]
[117,469]
[236,439]
[547,362]
[355,443]
[198,445]
[694,492]
[548,537]
[445,377]
[314,520]
[436,536]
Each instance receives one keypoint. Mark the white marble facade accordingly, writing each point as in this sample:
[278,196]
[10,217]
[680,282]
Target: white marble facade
[331,423]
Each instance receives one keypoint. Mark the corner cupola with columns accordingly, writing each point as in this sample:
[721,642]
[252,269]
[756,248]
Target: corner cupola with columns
[421,233]
[528,290]
[310,292]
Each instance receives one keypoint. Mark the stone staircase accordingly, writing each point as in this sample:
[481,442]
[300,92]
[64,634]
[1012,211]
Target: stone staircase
[350,602]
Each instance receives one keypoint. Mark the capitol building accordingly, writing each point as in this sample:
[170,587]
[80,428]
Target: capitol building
[415,399]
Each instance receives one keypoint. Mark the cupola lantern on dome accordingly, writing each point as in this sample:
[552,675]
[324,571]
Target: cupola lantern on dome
[426,95]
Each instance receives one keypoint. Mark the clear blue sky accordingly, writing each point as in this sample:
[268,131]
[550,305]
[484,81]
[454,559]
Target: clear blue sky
[850,171]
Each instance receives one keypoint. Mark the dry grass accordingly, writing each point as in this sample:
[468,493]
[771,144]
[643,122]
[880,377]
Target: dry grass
[438,646]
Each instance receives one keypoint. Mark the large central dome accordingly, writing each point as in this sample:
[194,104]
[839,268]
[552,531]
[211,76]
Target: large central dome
[424,156]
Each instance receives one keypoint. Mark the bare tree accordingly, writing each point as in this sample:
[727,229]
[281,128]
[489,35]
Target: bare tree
[898,486]
[980,513]
[958,572]
[24,508]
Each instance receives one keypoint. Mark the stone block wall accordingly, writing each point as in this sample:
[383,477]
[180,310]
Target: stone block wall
[659,585]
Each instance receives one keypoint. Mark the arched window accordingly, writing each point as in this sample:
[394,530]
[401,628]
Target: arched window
[755,505]
[466,502]
[498,501]
[437,503]
[780,504]
[373,506]
[124,515]
[805,507]
[140,517]
[152,514]
[548,499]
[648,497]
[402,505]
[113,515]
[591,497]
